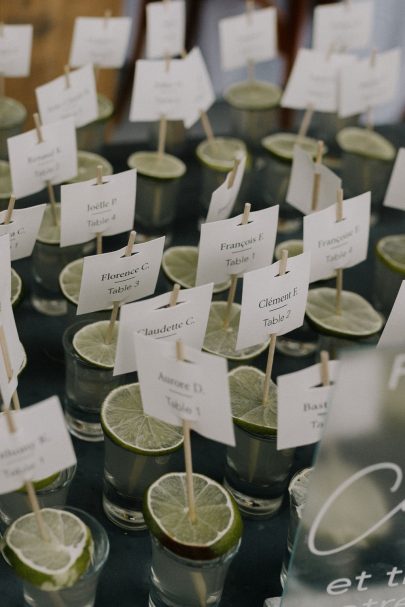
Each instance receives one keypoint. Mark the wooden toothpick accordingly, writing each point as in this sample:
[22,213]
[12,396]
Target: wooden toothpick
[66,69]
[306,121]
[174,295]
[206,125]
[325,379]
[317,177]
[10,209]
[233,173]
[99,235]
[51,193]
[107,16]
[162,135]
[339,271]
[369,113]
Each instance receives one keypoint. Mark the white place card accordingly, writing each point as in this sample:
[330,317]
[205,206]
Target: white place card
[88,208]
[273,304]
[56,100]
[395,194]
[224,197]
[23,229]
[228,247]
[5,266]
[15,50]
[100,41]
[393,334]
[301,184]
[159,90]
[199,90]
[195,389]
[112,277]
[15,350]
[32,164]
[302,405]
[248,37]
[314,81]
[343,26]
[187,320]
[37,450]
[338,244]
[165,29]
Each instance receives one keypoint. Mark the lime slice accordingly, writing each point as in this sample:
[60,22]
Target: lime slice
[12,113]
[105,107]
[70,280]
[159,166]
[253,95]
[218,526]
[5,181]
[87,163]
[294,247]
[180,265]
[124,422]
[219,154]
[358,318]
[50,565]
[16,287]
[223,341]
[365,143]
[248,411]
[90,343]
[282,145]
[42,483]
[49,232]
[391,251]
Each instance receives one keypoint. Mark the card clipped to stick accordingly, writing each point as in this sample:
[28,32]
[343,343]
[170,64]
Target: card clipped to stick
[22,227]
[395,194]
[198,88]
[165,29]
[393,334]
[15,50]
[101,41]
[343,26]
[224,197]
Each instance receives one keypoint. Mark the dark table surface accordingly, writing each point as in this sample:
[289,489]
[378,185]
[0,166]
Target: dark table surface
[254,573]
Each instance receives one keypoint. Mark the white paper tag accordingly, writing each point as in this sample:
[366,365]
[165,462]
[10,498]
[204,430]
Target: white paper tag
[338,244]
[40,447]
[343,26]
[199,92]
[395,194]
[23,229]
[196,390]
[302,405]
[15,50]
[248,37]
[228,247]
[165,29]
[32,164]
[224,197]
[158,91]
[112,277]
[393,334]
[314,81]
[100,41]
[15,350]
[88,208]
[301,184]
[187,320]
[5,266]
[57,101]
[273,304]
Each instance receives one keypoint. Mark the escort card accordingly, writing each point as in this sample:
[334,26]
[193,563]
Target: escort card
[366,85]
[301,184]
[23,229]
[32,164]
[37,450]
[5,266]
[195,389]
[15,50]
[393,334]
[100,41]
[224,197]
[302,405]
[187,320]
[78,99]
[88,208]
[15,350]
[248,37]
[159,90]
[273,304]
[314,81]
[165,29]
[343,26]
[228,247]
[395,194]
[112,277]
[338,244]
[198,87]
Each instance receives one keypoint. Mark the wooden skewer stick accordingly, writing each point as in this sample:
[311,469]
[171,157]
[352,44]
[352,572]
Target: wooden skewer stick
[51,193]
[10,209]
[162,135]
[66,69]
[187,451]
[325,379]
[233,173]
[99,235]
[206,125]
[107,16]
[273,337]
[174,295]
[369,113]
[306,121]
[317,177]
[339,271]
[234,277]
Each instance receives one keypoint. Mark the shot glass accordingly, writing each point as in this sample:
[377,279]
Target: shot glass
[83,592]
[12,117]
[389,271]
[51,493]
[87,163]
[5,184]
[92,136]
[158,188]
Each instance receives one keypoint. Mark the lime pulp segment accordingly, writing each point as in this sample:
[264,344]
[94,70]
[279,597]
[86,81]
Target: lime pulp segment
[90,342]
[180,265]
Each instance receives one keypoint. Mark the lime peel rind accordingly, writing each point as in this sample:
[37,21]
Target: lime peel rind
[391,251]
[90,342]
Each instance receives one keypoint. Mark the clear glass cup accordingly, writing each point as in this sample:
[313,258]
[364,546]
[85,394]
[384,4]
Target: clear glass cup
[184,582]
[12,117]
[52,495]
[87,163]
[388,276]
[83,592]
[86,386]
[5,185]
[92,136]
[256,473]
